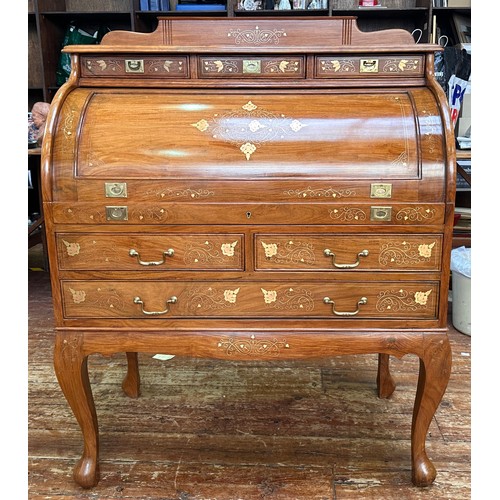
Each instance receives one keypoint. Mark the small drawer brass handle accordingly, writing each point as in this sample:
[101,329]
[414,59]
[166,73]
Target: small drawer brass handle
[171,300]
[362,301]
[329,253]
[166,253]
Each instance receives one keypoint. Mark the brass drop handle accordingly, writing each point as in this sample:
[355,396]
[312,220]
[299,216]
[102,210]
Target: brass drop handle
[166,253]
[329,253]
[171,300]
[361,301]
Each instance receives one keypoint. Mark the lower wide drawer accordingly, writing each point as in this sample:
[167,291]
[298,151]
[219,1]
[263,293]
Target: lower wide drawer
[237,299]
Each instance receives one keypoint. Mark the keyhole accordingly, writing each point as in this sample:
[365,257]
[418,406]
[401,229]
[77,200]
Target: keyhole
[249,214]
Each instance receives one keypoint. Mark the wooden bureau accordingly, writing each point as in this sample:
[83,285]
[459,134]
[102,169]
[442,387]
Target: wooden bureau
[271,188]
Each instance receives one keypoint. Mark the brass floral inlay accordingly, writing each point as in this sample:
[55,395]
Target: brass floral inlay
[230,295]
[338,66]
[347,214]
[228,248]
[405,253]
[319,193]
[250,129]
[400,65]
[72,249]
[210,299]
[257,36]
[290,252]
[252,346]
[78,296]
[180,193]
[289,300]
[415,214]
[401,300]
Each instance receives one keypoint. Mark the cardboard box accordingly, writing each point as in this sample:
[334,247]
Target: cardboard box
[459,3]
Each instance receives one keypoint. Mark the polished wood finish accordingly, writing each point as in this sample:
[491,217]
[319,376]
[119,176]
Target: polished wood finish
[221,164]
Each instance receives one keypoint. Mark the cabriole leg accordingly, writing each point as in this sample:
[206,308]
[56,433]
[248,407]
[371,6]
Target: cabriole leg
[70,366]
[435,369]
[385,382]
[132,382]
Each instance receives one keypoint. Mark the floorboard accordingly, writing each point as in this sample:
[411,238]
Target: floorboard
[225,430]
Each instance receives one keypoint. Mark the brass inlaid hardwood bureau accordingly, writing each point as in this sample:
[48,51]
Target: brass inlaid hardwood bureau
[272,188]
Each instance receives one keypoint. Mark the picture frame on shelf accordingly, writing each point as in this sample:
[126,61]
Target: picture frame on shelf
[463,28]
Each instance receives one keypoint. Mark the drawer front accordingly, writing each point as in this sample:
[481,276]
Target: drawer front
[309,252]
[122,213]
[364,67]
[130,66]
[178,299]
[155,252]
[251,67]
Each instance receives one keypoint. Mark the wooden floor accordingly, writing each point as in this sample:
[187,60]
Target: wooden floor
[222,430]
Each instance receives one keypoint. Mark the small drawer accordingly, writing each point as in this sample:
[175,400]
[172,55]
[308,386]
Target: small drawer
[360,252]
[238,299]
[348,67]
[251,67]
[131,252]
[135,66]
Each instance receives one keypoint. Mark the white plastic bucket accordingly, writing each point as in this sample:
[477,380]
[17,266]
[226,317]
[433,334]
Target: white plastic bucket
[461,302]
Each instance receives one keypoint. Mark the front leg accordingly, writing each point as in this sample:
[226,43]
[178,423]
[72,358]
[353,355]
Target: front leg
[70,366]
[435,369]
[385,382]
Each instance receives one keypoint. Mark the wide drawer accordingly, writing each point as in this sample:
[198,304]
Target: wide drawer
[368,252]
[182,299]
[131,252]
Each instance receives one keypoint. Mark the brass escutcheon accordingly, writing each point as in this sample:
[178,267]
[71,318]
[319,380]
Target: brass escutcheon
[380,213]
[115,189]
[251,66]
[116,213]
[134,66]
[368,65]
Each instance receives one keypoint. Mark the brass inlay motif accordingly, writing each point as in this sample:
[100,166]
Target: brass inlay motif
[381,191]
[181,193]
[256,37]
[78,296]
[115,189]
[380,213]
[251,129]
[72,249]
[347,214]
[368,65]
[289,300]
[201,300]
[362,301]
[290,252]
[102,65]
[401,300]
[400,65]
[318,193]
[228,248]
[405,253]
[252,346]
[415,214]
[338,66]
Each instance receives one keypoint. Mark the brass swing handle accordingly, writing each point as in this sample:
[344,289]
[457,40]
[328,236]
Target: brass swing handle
[171,300]
[166,253]
[362,301]
[329,253]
